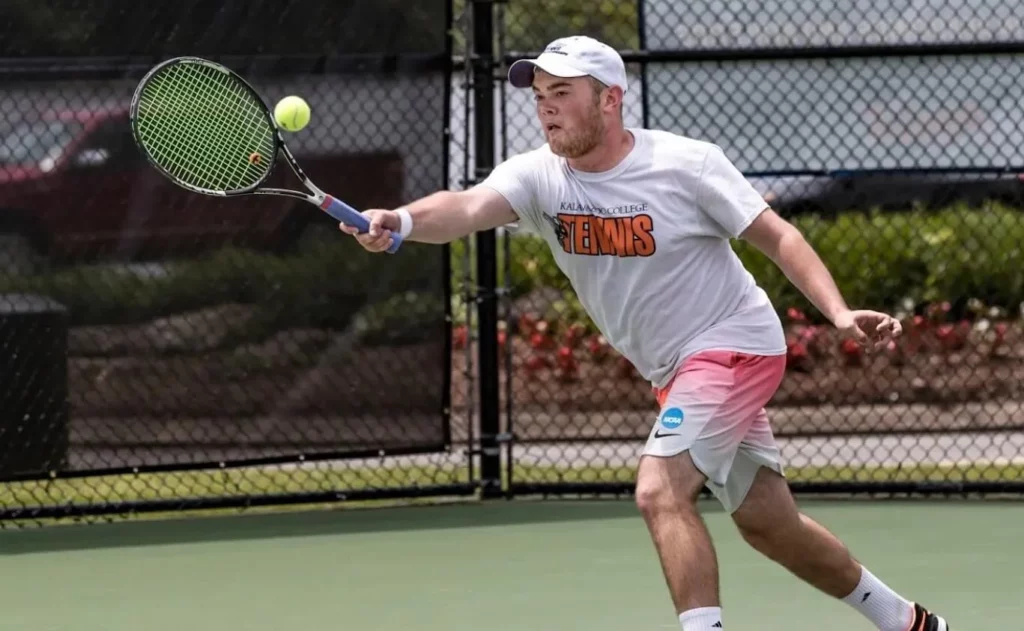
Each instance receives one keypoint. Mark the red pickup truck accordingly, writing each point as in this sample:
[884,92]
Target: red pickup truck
[74,187]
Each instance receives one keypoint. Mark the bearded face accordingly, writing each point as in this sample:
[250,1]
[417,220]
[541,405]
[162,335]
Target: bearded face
[570,114]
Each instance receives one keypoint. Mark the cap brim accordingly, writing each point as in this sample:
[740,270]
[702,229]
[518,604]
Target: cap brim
[520,73]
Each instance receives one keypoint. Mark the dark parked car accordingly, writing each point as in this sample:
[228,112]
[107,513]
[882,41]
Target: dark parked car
[889,191]
[73,186]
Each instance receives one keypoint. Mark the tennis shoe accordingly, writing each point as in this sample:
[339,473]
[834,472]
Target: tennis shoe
[925,620]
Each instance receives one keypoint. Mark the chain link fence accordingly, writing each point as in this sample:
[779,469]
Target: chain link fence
[163,349]
[891,136]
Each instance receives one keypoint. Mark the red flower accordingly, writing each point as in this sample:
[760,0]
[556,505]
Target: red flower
[574,335]
[541,341]
[852,352]
[598,348]
[460,337]
[797,355]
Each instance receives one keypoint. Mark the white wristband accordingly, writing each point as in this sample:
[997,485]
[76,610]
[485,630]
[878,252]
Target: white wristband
[406,225]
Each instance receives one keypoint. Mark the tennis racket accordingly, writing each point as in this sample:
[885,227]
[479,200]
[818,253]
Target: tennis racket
[206,129]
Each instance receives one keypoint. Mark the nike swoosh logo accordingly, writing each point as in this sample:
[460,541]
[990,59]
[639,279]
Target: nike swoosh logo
[658,434]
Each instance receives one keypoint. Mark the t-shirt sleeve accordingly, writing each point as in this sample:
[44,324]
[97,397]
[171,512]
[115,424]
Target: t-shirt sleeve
[516,179]
[726,196]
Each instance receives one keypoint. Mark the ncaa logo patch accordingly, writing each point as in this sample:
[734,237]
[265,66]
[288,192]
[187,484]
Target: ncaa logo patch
[672,418]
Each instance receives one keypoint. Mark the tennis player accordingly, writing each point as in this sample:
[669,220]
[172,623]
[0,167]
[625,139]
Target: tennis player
[640,221]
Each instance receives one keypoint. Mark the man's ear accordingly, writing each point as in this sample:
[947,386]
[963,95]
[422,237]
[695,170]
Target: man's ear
[613,97]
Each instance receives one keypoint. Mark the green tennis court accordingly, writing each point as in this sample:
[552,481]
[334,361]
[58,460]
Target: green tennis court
[163,351]
[512,566]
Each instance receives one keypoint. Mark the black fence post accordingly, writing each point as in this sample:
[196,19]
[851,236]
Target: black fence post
[486,252]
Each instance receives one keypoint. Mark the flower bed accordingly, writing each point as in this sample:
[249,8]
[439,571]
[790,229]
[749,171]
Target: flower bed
[936,361]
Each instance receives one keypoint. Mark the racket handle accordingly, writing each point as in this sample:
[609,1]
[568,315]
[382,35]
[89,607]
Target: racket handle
[352,217]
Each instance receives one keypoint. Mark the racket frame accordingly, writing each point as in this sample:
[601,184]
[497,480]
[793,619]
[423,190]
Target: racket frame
[329,204]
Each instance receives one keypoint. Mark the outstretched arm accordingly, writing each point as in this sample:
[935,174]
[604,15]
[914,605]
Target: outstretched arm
[440,217]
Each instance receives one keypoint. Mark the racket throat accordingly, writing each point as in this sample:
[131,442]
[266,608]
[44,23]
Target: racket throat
[324,201]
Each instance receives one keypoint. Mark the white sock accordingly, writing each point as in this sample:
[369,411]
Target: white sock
[885,608]
[702,619]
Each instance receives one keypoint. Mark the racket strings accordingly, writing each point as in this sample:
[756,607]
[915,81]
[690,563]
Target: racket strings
[179,148]
[204,127]
[211,130]
[250,116]
[188,142]
[169,143]
[222,127]
[220,163]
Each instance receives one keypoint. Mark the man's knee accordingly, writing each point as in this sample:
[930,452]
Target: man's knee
[768,516]
[667,484]
[761,536]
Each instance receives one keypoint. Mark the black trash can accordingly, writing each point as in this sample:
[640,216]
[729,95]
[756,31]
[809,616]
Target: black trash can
[33,385]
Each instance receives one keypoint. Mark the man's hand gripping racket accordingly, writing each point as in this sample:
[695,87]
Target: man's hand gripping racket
[207,130]
[384,228]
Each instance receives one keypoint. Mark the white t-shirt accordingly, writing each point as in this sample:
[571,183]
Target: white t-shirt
[646,247]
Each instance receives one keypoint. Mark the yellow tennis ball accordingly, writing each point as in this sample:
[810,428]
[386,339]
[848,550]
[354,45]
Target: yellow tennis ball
[292,113]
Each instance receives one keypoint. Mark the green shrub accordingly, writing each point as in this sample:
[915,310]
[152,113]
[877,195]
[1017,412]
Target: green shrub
[879,261]
[323,286]
[400,319]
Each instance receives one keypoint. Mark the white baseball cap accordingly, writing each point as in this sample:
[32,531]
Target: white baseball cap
[576,56]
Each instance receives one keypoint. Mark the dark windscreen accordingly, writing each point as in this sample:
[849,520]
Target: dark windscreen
[65,28]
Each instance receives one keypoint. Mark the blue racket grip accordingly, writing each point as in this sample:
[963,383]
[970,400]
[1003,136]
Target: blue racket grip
[352,217]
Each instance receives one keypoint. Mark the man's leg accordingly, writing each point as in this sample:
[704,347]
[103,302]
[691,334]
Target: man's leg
[666,493]
[769,521]
[705,413]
